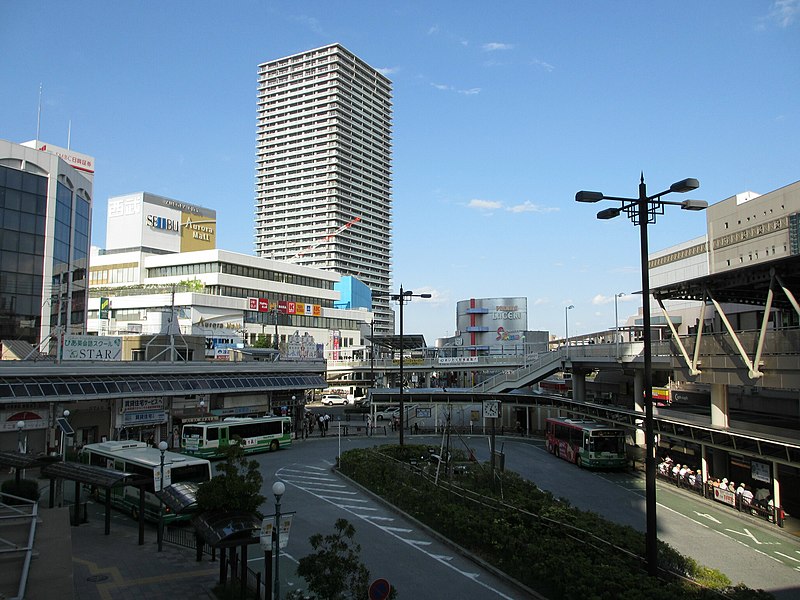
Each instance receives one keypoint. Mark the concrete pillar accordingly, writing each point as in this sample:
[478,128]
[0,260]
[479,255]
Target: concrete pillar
[719,405]
[638,403]
[776,485]
[579,385]
[704,462]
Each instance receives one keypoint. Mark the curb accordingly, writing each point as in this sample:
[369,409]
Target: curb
[435,534]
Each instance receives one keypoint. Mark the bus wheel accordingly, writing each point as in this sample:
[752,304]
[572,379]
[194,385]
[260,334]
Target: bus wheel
[555,451]
[578,461]
[273,446]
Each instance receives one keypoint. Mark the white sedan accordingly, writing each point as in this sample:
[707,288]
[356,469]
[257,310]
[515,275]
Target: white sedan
[331,399]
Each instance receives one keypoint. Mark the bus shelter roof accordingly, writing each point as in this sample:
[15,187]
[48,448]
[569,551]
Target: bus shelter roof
[90,474]
[180,497]
[26,461]
[226,529]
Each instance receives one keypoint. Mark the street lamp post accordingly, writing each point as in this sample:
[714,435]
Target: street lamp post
[275,312]
[162,446]
[403,297]
[643,211]
[616,320]
[22,447]
[372,352]
[566,325]
[278,488]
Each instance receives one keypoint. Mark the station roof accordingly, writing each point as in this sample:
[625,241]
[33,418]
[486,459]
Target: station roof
[98,385]
[410,341]
[745,285]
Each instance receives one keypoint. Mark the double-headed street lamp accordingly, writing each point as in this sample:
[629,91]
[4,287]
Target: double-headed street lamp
[566,325]
[642,211]
[616,321]
[278,489]
[403,297]
[162,447]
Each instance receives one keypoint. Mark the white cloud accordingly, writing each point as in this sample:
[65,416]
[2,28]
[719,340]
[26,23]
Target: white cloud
[310,22]
[541,63]
[388,71]
[450,88]
[492,46]
[433,30]
[529,206]
[600,299]
[485,204]
[784,12]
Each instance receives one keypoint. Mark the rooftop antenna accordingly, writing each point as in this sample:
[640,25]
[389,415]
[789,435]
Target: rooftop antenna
[39,115]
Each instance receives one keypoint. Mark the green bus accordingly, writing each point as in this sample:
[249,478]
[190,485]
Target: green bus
[586,443]
[131,456]
[256,434]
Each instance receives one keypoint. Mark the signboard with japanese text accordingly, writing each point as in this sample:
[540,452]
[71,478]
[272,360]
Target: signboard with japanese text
[92,348]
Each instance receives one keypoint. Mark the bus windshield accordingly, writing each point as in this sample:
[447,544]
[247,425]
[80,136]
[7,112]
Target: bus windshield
[615,444]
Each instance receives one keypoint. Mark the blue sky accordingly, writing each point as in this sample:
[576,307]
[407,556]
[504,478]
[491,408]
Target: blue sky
[502,111]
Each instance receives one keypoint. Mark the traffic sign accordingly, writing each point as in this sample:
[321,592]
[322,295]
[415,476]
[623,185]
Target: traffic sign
[379,589]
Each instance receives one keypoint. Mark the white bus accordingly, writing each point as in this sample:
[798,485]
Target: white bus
[140,459]
[259,434]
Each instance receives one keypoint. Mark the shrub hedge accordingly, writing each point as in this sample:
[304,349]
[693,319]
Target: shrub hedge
[27,488]
[560,551]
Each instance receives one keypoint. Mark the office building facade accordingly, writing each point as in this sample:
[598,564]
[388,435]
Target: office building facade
[46,207]
[323,167]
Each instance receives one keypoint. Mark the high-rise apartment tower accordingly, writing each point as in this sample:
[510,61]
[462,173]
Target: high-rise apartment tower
[323,167]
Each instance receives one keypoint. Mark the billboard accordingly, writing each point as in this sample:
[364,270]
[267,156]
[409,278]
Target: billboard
[92,348]
[150,221]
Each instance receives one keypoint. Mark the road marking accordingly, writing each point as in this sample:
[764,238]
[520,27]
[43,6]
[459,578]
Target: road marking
[746,533]
[417,544]
[787,556]
[707,516]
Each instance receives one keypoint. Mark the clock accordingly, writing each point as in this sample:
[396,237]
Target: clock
[491,409]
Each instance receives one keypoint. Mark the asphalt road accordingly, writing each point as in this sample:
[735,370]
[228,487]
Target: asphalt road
[746,550]
[392,547]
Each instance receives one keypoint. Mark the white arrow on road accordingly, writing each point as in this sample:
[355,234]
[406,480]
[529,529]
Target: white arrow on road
[707,516]
[746,533]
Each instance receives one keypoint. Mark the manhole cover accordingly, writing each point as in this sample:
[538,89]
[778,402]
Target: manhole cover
[97,578]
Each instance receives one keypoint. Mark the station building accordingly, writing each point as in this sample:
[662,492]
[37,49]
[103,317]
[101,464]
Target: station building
[162,273]
[46,209]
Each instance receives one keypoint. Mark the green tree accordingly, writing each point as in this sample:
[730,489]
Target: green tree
[261,342]
[236,487]
[334,570]
[194,285]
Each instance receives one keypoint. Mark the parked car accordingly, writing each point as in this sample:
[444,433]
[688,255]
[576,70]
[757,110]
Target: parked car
[331,399]
[388,413]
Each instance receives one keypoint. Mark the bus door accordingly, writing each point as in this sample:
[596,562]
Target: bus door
[223,438]
[118,491]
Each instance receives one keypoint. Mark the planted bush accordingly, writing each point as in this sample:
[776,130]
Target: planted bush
[544,543]
[27,488]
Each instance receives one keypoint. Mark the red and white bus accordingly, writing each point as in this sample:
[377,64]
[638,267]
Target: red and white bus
[586,443]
